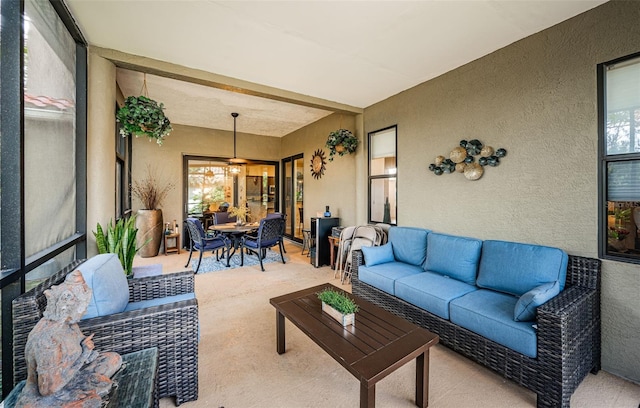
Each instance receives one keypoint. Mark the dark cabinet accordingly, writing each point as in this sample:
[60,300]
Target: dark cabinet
[320,232]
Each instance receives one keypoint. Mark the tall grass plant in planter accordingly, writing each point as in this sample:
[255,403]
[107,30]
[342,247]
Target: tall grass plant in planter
[119,239]
[150,191]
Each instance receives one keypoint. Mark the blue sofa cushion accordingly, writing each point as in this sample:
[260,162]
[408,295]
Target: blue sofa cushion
[110,290]
[143,304]
[409,244]
[490,314]
[526,306]
[453,256]
[383,276]
[517,268]
[375,255]
[431,292]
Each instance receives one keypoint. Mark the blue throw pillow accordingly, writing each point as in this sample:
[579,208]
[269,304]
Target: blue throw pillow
[526,306]
[375,255]
[110,290]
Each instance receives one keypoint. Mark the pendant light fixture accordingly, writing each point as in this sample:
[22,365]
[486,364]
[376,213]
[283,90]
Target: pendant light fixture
[234,167]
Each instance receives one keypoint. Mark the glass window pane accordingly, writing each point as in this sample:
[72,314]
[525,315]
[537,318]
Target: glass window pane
[623,107]
[382,152]
[623,181]
[49,128]
[383,200]
[209,185]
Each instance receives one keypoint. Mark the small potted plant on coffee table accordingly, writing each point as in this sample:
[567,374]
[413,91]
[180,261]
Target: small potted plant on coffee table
[338,306]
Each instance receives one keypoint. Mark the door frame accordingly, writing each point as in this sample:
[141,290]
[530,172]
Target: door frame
[293,220]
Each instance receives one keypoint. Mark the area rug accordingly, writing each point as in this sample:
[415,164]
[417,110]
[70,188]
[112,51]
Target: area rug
[209,264]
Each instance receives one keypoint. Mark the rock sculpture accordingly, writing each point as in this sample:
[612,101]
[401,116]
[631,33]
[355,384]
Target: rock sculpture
[63,369]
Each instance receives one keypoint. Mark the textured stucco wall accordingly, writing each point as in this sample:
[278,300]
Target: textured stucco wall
[189,140]
[336,188]
[101,152]
[537,99]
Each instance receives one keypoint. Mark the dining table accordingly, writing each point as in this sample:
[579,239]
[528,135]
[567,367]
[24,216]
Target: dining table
[234,232]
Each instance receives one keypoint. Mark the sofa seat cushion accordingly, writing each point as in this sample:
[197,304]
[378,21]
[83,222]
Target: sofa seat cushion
[490,314]
[409,244]
[110,290]
[384,276]
[431,292]
[457,257]
[159,301]
[517,268]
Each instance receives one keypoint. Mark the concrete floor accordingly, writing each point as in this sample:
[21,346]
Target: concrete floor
[239,366]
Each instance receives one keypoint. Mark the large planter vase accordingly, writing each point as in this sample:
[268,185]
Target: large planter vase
[150,228]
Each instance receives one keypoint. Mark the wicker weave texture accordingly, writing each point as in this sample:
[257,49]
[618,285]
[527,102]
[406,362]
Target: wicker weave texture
[172,328]
[569,328]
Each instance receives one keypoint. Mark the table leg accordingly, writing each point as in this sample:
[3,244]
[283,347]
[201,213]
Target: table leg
[367,395]
[280,332]
[422,380]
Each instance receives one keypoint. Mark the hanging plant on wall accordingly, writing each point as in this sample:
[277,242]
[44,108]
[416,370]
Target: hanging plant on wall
[142,116]
[342,142]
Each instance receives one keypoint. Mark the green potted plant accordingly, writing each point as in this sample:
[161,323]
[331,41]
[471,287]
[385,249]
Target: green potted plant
[119,239]
[339,306]
[142,116]
[342,142]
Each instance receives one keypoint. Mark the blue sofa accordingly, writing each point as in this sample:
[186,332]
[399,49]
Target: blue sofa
[529,312]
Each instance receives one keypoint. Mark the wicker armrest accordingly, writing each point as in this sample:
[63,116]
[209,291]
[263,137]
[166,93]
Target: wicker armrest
[154,287]
[357,259]
[566,319]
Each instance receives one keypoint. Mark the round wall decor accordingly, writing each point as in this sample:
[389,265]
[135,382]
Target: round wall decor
[318,163]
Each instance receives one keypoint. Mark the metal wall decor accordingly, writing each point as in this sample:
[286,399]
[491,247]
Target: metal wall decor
[461,159]
[318,164]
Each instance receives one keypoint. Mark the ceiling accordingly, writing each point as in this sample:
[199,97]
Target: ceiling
[355,53]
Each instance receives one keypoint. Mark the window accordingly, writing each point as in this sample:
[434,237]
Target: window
[42,151]
[619,122]
[123,173]
[383,176]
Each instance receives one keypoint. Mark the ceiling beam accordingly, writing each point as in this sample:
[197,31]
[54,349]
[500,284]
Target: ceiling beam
[197,76]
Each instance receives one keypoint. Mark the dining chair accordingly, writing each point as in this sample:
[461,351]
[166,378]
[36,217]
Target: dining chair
[220,217]
[201,242]
[270,234]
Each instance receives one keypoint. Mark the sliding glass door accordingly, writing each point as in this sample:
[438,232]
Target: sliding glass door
[211,184]
[293,187]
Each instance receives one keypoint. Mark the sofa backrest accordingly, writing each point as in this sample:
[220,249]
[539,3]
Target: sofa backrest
[456,257]
[517,268]
[409,244]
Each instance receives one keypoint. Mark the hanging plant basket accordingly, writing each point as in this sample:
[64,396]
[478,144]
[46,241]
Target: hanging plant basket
[342,142]
[141,116]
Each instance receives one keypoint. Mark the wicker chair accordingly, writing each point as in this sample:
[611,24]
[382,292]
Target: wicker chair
[568,334]
[172,328]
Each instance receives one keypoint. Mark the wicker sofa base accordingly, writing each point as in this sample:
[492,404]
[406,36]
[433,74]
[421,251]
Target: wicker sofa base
[172,328]
[568,335]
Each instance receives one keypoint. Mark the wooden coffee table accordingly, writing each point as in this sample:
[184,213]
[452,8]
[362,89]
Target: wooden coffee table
[374,347]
